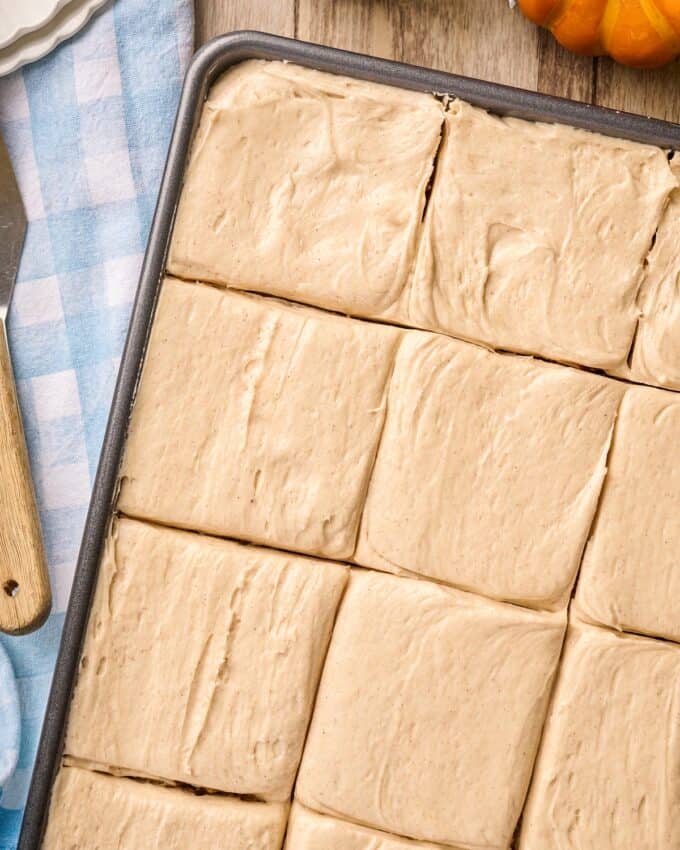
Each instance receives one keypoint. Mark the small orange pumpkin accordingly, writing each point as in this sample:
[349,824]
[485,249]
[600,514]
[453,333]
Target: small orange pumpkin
[641,33]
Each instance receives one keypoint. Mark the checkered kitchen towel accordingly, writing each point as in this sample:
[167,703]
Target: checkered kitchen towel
[87,129]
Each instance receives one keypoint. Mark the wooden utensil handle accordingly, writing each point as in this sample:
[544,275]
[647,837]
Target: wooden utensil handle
[25,597]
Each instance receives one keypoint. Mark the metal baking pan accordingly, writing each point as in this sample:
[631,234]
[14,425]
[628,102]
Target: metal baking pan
[211,61]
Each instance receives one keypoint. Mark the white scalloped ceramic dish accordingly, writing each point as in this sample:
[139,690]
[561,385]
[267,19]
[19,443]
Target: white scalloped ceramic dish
[20,18]
[68,17]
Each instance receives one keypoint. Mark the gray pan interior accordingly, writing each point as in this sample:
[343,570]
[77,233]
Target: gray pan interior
[208,63]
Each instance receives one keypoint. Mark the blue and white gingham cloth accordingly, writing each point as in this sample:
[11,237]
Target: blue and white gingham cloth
[10,721]
[87,129]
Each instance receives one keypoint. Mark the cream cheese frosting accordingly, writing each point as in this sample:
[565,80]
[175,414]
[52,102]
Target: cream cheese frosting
[312,187]
[429,711]
[607,776]
[535,237]
[308,830]
[630,577]
[488,471]
[201,659]
[417,713]
[257,420]
[307,185]
[655,357]
[92,810]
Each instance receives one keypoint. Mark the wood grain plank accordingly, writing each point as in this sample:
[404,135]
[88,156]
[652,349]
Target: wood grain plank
[653,93]
[481,38]
[214,17]
[563,73]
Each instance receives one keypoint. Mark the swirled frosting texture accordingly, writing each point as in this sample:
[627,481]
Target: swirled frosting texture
[201,660]
[307,185]
[630,576]
[535,237]
[313,187]
[608,773]
[655,357]
[488,471]
[429,711]
[257,420]
[91,810]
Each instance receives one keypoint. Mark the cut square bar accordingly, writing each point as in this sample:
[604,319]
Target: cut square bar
[256,419]
[488,472]
[630,576]
[307,185]
[607,774]
[202,659]
[91,810]
[429,711]
[535,237]
[655,358]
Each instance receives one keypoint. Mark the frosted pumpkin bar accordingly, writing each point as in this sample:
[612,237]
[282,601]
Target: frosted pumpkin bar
[91,810]
[308,830]
[630,576]
[307,185]
[201,660]
[256,420]
[607,774]
[429,711]
[655,356]
[488,471]
[535,237]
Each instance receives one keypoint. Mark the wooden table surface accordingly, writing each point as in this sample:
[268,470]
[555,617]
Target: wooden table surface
[480,38]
